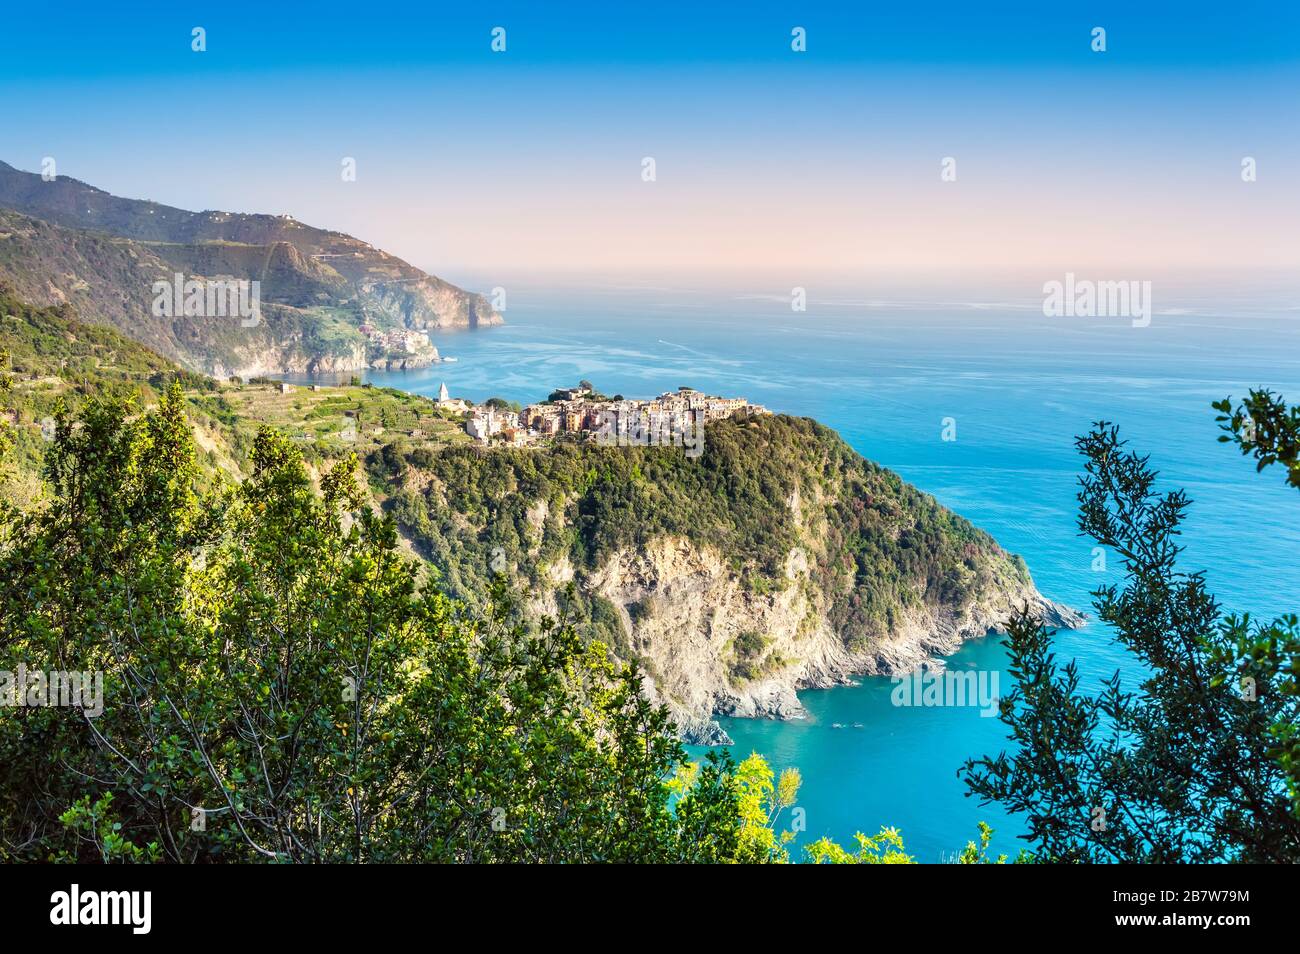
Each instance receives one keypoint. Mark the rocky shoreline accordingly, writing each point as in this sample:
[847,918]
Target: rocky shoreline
[269,363]
[689,610]
[779,699]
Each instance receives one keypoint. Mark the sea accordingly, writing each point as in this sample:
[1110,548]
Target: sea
[964,387]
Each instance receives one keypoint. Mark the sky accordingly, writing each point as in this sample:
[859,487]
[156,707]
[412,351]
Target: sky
[533,158]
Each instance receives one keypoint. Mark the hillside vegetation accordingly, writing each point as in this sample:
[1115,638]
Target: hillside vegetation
[884,544]
[55,360]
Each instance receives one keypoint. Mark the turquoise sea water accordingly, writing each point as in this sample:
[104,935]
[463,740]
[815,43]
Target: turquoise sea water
[885,371]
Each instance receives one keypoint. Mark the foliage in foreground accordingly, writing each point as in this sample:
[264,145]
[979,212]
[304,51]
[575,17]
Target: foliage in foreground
[1202,764]
[279,687]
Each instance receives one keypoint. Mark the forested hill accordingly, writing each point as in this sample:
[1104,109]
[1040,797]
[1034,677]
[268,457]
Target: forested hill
[778,559]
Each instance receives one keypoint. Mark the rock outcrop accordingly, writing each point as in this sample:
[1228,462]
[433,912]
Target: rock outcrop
[687,613]
[777,561]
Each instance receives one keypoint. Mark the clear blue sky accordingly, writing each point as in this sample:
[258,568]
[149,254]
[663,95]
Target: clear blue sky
[469,158]
[152,38]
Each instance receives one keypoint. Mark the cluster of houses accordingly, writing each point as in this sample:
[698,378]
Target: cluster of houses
[675,418]
[401,341]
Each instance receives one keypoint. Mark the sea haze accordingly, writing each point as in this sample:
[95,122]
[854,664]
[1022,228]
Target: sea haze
[884,365]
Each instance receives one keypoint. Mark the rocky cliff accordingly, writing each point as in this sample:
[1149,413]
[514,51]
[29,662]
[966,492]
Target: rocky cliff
[777,561]
[715,648]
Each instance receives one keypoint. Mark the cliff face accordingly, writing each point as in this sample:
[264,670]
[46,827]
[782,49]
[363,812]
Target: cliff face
[426,302]
[287,356]
[715,648]
[778,560]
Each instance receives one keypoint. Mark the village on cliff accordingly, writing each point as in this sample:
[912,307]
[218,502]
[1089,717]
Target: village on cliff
[673,418]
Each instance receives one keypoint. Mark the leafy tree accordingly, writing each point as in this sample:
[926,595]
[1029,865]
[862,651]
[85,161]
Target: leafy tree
[1264,427]
[101,832]
[884,848]
[762,799]
[1195,766]
[760,839]
[978,854]
[278,687]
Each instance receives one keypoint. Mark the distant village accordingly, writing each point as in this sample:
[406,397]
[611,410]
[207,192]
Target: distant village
[401,341]
[674,418]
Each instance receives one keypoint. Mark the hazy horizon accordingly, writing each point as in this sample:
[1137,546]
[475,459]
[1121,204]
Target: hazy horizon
[532,158]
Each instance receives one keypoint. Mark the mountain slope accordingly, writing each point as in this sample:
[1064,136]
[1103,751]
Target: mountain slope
[779,559]
[109,250]
[112,280]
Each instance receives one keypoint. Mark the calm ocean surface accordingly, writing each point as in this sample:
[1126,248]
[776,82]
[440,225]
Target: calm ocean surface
[885,373]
